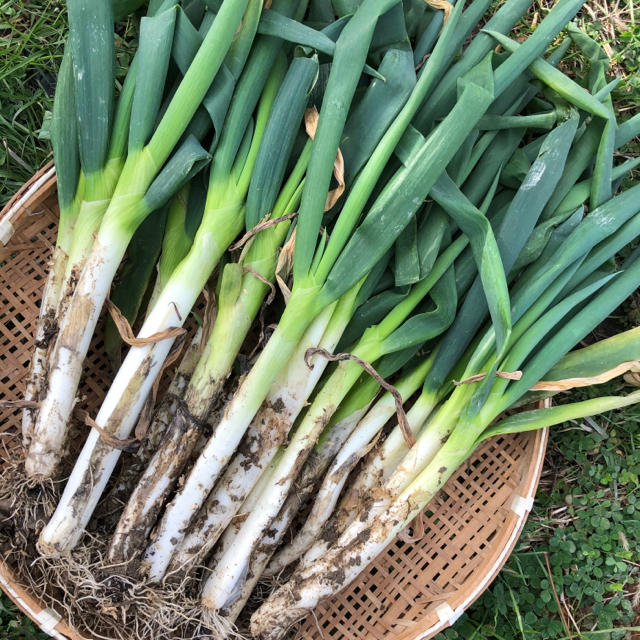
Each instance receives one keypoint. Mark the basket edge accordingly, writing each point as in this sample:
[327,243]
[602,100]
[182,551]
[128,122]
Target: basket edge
[37,188]
[47,619]
[448,614]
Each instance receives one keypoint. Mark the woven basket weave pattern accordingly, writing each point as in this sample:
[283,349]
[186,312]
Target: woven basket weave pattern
[426,577]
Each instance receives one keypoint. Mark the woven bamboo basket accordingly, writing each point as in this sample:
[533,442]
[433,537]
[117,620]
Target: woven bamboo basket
[426,578]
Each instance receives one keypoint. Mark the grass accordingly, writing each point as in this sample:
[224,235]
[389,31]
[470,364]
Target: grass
[586,520]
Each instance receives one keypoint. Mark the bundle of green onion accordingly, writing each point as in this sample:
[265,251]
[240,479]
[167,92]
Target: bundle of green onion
[418,194]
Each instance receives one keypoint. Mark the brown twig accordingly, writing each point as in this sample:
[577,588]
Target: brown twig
[19,404]
[261,226]
[555,595]
[129,445]
[262,279]
[126,332]
[403,422]
[507,375]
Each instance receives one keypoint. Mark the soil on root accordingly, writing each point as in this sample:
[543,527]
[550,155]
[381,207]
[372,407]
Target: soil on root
[98,598]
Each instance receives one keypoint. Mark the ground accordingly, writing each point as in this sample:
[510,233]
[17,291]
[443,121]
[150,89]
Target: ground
[575,572]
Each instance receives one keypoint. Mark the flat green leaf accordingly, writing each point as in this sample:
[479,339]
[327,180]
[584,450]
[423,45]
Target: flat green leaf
[486,253]
[93,56]
[371,313]
[348,61]
[535,45]
[183,219]
[442,99]
[275,24]
[571,332]
[540,418]
[376,110]
[558,81]
[122,8]
[628,130]
[197,80]
[64,138]
[154,51]
[513,231]
[407,257]
[279,136]
[425,325]
[189,159]
[405,193]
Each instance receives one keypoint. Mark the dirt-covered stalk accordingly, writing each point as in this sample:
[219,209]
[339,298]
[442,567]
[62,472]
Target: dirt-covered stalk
[70,188]
[162,417]
[258,449]
[239,301]
[269,427]
[356,446]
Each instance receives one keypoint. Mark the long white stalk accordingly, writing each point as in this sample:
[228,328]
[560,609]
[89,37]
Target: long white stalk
[382,461]
[153,439]
[355,447]
[226,436]
[229,569]
[72,344]
[257,563]
[261,442]
[129,390]
[45,330]
[374,474]
[181,436]
[358,546]
[126,210]
[353,551]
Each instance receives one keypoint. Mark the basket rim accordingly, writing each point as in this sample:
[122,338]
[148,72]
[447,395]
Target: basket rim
[438,616]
